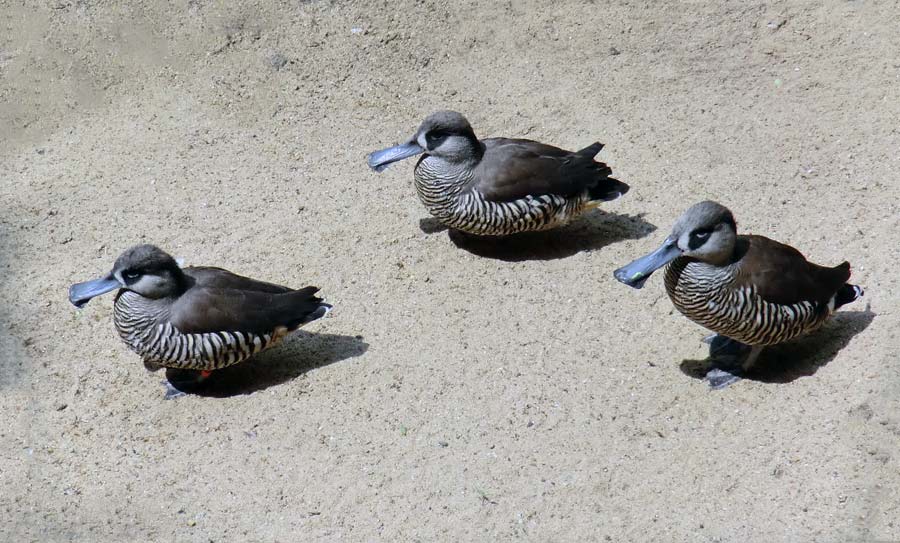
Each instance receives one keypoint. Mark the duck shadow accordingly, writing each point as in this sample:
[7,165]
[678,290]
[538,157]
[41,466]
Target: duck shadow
[800,357]
[296,355]
[588,232]
[430,225]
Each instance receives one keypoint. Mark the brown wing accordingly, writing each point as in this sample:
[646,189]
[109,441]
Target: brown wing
[207,309]
[783,276]
[207,276]
[514,168]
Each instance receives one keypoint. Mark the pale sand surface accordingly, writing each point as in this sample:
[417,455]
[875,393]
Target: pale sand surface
[455,393]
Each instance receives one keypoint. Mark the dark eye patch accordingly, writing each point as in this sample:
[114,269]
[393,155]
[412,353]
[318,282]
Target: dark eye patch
[699,237]
[130,275]
[434,138]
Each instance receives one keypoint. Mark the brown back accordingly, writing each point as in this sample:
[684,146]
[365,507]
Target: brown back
[220,301]
[782,275]
[515,168]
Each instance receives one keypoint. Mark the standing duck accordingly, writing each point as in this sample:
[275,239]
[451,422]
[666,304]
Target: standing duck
[749,289]
[196,318]
[499,186]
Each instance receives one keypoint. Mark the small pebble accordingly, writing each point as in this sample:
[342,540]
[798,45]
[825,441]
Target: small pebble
[276,60]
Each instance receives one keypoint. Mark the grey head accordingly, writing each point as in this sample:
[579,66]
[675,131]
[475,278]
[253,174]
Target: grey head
[443,134]
[144,269]
[705,232]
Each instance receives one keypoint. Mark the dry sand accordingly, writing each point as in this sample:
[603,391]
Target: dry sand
[456,393]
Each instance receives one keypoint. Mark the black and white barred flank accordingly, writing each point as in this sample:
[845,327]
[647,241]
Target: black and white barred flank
[160,344]
[447,198]
[704,294]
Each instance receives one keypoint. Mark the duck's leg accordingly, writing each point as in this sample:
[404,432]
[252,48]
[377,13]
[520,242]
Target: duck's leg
[725,356]
[179,382]
[751,358]
[727,370]
[724,346]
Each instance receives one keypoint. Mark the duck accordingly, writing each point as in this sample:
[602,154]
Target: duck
[750,290]
[196,318]
[499,186]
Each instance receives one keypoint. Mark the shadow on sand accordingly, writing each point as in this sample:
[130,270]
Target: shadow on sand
[299,353]
[800,357]
[589,232]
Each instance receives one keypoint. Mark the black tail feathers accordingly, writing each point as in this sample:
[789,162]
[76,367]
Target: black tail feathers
[847,294]
[591,150]
[319,312]
[306,307]
[608,189]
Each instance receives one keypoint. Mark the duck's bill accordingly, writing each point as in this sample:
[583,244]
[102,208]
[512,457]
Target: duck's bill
[636,273]
[379,160]
[81,293]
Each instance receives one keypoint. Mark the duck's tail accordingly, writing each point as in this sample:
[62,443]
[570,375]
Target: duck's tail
[304,307]
[847,294]
[607,189]
[591,150]
[318,313]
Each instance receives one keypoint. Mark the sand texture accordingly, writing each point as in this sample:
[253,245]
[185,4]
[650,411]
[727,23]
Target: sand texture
[459,391]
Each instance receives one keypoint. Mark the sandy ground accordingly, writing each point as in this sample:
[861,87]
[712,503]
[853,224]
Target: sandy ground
[458,392]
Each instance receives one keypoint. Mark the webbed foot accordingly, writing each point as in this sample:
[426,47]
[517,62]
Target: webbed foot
[719,378]
[180,382]
[730,361]
[171,391]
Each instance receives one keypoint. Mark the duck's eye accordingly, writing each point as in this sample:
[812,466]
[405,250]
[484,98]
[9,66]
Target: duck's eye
[698,238]
[434,138]
[130,275]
